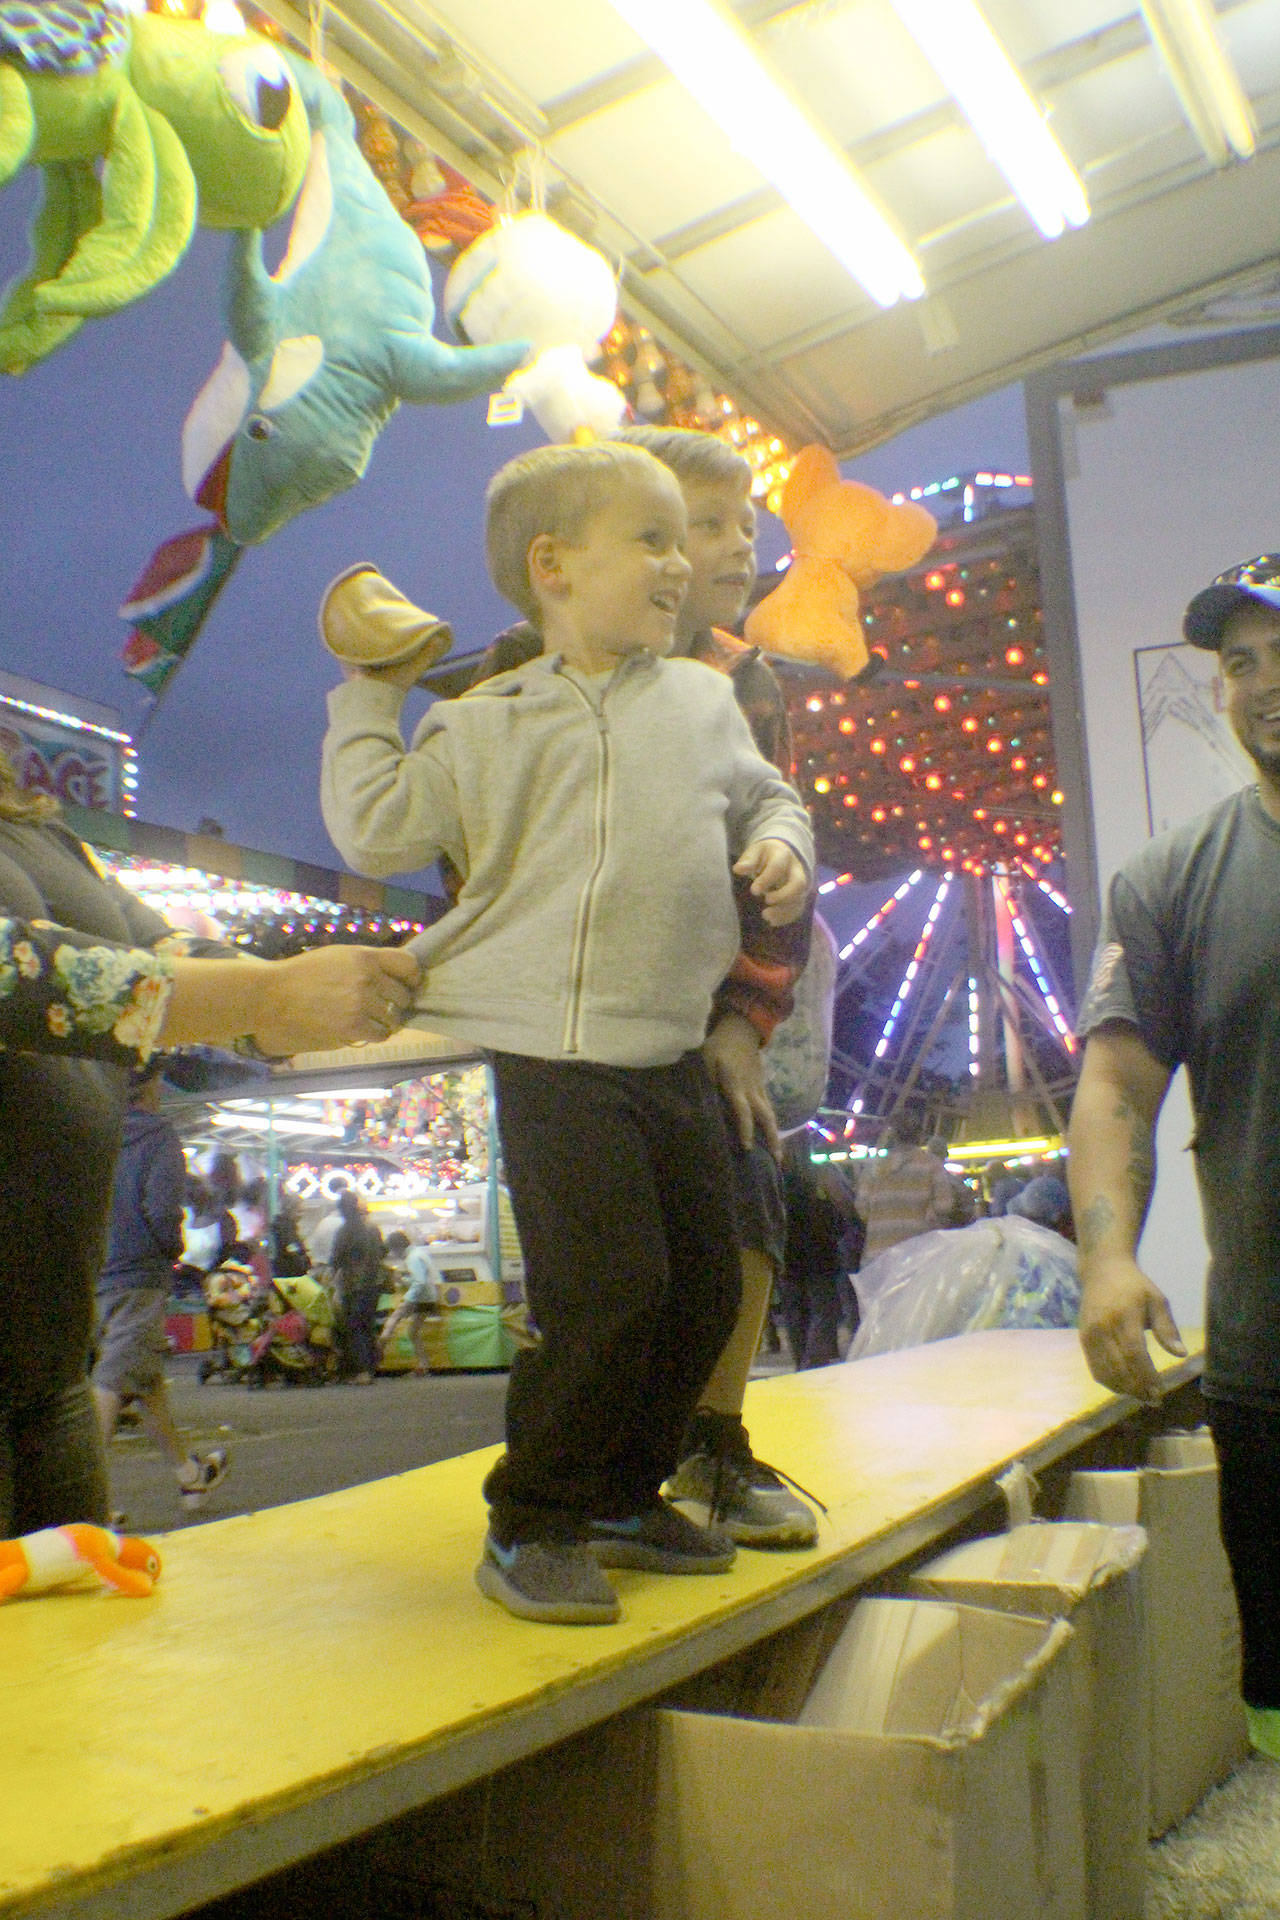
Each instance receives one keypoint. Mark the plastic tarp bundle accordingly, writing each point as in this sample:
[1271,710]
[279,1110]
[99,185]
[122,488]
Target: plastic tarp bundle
[1006,1272]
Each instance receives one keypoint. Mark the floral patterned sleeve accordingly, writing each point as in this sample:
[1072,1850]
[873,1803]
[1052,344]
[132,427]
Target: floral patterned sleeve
[69,993]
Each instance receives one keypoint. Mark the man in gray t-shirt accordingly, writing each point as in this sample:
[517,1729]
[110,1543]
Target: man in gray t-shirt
[1188,972]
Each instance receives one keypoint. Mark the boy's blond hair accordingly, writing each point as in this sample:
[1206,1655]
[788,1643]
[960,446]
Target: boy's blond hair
[690,454]
[553,490]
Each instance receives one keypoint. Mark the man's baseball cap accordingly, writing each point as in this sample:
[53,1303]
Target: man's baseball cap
[1205,617]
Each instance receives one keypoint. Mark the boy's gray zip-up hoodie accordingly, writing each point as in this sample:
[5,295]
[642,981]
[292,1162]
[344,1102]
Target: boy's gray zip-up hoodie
[594,822]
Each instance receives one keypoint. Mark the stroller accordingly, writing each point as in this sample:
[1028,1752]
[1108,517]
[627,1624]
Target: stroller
[267,1329]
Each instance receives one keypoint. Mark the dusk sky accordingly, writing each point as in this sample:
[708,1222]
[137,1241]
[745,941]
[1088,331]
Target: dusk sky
[90,485]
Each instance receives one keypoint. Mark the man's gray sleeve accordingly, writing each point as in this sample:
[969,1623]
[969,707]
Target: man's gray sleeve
[1132,978]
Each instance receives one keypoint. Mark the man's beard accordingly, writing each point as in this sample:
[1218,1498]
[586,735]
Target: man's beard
[1267,762]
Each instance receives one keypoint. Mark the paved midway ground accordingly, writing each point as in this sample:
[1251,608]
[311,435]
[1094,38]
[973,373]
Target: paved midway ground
[288,1443]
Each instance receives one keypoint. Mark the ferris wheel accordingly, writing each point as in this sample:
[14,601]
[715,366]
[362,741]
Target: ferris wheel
[948,998]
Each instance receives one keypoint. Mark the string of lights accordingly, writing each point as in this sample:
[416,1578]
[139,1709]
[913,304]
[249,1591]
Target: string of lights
[1033,961]
[878,917]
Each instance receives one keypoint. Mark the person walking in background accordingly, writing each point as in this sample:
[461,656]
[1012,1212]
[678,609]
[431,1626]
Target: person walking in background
[1046,1201]
[1002,1185]
[421,1299]
[907,1190]
[810,1281]
[289,1256]
[144,1243]
[323,1234]
[356,1274]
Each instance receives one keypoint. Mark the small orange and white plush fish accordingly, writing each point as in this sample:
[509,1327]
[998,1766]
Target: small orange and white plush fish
[78,1555]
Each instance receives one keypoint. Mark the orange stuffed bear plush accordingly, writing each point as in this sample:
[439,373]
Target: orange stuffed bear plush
[844,537]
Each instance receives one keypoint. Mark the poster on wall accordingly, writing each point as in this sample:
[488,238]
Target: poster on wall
[78,768]
[1191,759]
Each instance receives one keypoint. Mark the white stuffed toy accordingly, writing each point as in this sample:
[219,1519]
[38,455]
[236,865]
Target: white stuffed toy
[530,278]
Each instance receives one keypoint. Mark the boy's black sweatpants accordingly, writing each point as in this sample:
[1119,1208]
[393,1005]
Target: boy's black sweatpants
[622,1189]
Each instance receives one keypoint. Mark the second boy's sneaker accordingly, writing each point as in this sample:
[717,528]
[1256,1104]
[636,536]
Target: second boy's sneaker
[721,1478]
[557,1581]
[660,1540]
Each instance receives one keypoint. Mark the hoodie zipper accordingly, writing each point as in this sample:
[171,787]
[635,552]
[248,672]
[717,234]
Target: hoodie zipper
[582,927]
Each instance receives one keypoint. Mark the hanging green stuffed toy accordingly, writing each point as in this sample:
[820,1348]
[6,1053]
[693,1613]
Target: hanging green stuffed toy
[186,124]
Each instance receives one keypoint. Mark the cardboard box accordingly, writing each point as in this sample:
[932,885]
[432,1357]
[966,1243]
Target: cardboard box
[1195,1715]
[932,1772]
[1088,1574]
[949,1791]
[1182,1447]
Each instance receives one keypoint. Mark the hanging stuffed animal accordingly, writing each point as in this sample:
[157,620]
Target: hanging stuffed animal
[187,125]
[321,354]
[530,276]
[77,1556]
[844,537]
[323,350]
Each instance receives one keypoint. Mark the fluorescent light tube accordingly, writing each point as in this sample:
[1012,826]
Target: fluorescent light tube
[959,45]
[705,48]
[257,1122]
[1186,38]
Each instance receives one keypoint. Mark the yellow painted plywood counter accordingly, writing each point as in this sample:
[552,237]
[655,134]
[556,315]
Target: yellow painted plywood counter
[305,1673]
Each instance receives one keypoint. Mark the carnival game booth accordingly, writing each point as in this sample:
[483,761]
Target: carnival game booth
[408,1126]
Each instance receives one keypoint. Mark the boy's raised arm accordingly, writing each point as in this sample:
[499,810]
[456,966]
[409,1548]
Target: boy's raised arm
[387,810]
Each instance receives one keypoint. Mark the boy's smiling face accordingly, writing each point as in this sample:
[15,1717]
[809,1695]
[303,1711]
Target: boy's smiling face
[618,588]
[722,552]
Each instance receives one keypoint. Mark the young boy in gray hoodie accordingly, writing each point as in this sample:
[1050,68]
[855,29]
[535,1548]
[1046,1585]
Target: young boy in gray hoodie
[594,814]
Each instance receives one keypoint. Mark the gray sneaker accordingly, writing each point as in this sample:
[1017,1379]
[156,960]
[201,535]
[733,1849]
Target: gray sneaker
[660,1540]
[553,1580]
[723,1482]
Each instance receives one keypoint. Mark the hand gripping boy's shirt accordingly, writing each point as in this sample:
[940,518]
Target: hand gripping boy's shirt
[594,822]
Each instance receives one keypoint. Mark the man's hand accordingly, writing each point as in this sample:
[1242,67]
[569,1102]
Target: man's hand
[1118,1308]
[781,880]
[333,997]
[732,1053]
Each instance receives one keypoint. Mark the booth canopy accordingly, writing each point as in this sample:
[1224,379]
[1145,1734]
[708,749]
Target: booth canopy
[732,280]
